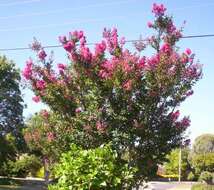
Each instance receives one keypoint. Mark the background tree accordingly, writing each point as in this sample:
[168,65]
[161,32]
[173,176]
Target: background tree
[11,108]
[113,95]
[11,102]
[41,137]
[172,166]
[204,144]
[202,155]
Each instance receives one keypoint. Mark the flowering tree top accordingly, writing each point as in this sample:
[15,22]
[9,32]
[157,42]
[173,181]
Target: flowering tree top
[112,94]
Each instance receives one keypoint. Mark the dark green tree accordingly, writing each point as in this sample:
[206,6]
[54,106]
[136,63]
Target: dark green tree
[11,109]
[204,144]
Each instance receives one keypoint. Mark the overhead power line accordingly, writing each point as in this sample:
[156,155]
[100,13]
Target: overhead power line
[127,41]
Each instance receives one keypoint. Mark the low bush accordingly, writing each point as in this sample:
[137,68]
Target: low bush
[206,177]
[25,165]
[40,173]
[191,177]
[92,169]
[202,187]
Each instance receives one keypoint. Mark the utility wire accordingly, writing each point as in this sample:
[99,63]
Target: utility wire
[127,41]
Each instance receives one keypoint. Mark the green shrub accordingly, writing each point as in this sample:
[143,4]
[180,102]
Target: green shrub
[206,177]
[92,169]
[202,187]
[40,173]
[191,177]
[202,162]
[25,165]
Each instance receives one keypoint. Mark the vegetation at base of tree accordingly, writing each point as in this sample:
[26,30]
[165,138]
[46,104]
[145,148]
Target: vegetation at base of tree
[202,187]
[95,169]
[207,177]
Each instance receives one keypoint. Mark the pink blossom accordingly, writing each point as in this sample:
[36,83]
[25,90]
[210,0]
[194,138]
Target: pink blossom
[40,84]
[86,54]
[149,24]
[44,113]
[62,39]
[27,72]
[188,51]
[100,126]
[141,63]
[80,34]
[175,115]
[153,61]
[100,48]
[42,54]
[36,45]
[127,85]
[82,41]
[189,93]
[111,37]
[69,46]
[78,110]
[50,136]
[104,74]
[171,27]
[36,99]
[122,41]
[184,59]
[158,10]
[166,48]
[61,66]
[185,122]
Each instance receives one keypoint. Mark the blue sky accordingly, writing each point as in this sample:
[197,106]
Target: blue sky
[21,20]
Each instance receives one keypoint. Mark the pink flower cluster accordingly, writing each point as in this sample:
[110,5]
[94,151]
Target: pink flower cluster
[36,99]
[50,136]
[100,48]
[111,37]
[166,48]
[61,66]
[42,55]
[101,126]
[27,71]
[175,115]
[40,84]
[44,113]
[158,10]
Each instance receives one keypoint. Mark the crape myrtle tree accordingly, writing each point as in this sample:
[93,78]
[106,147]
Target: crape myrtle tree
[111,94]
[43,139]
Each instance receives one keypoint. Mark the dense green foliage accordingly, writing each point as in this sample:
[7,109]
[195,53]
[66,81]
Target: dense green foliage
[207,177]
[204,144]
[203,162]
[93,169]
[11,107]
[202,187]
[11,119]
[201,157]
[171,167]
